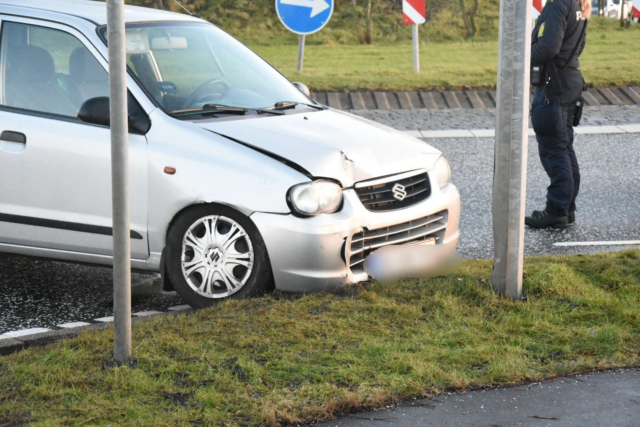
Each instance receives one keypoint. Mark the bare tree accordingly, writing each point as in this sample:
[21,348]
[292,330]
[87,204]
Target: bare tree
[164,4]
[369,34]
[469,17]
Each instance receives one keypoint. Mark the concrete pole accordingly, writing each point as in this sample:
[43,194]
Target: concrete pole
[416,48]
[120,180]
[512,123]
[301,52]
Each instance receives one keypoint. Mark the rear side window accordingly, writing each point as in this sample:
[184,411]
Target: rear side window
[47,70]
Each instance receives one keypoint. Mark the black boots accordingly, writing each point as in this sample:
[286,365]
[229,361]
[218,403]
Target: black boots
[544,219]
[571,217]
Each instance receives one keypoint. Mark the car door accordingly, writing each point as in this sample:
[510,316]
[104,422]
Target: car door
[55,171]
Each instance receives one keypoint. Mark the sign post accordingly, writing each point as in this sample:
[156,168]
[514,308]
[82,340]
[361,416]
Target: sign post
[120,180]
[301,52]
[414,12]
[304,17]
[512,125]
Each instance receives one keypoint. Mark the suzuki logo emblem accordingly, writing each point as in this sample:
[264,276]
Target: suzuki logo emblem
[399,192]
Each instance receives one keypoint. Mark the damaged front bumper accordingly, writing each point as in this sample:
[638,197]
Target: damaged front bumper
[328,251]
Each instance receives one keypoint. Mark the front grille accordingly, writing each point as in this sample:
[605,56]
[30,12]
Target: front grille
[419,230]
[379,196]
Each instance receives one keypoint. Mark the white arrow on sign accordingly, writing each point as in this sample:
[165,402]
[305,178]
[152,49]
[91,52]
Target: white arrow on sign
[317,6]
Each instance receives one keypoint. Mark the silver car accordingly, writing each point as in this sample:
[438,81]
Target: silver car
[239,180]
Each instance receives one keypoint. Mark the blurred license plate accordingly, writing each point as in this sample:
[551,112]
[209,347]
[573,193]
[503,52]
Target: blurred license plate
[428,242]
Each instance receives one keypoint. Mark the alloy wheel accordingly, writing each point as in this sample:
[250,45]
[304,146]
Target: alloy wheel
[217,257]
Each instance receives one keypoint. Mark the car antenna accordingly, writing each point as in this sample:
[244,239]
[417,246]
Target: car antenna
[185,9]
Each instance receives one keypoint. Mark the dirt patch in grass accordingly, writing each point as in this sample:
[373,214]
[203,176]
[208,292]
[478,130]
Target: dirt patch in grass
[280,360]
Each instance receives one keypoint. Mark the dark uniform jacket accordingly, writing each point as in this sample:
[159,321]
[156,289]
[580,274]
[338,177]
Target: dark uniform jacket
[557,32]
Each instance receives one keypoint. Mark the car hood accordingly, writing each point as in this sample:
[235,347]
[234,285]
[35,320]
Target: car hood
[330,144]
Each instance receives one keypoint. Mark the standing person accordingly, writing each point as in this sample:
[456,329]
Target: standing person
[558,40]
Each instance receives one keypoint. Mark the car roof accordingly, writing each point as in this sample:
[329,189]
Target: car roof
[96,11]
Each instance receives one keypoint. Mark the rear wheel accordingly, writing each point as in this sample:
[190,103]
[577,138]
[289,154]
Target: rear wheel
[215,253]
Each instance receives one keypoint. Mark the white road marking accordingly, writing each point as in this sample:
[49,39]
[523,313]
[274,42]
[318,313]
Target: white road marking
[147,313]
[597,130]
[180,308]
[483,133]
[105,319]
[614,243]
[453,133]
[24,333]
[630,128]
[73,325]
[490,133]
[413,133]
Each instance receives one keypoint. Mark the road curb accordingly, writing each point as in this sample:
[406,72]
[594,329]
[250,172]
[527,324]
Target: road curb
[465,99]
[10,344]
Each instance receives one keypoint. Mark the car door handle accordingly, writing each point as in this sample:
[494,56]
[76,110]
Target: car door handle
[16,137]
[13,142]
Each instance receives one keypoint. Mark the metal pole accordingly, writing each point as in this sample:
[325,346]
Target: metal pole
[120,180]
[301,52]
[416,49]
[512,122]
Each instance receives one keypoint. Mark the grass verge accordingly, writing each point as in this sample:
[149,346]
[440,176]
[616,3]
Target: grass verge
[610,59]
[280,360]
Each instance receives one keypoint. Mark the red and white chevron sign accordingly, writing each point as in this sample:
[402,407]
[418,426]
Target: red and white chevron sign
[538,5]
[414,11]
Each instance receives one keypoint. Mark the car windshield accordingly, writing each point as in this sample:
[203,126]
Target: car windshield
[187,66]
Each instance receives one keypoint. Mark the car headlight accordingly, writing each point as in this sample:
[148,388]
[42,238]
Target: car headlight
[315,198]
[443,172]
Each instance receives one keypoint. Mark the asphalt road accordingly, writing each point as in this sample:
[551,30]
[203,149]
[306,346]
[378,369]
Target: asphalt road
[608,205]
[43,294]
[609,399]
[36,293]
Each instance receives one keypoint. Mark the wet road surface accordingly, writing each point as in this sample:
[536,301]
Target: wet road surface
[44,294]
[608,204]
[37,293]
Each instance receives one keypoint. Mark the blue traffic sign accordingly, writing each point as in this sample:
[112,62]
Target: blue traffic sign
[304,16]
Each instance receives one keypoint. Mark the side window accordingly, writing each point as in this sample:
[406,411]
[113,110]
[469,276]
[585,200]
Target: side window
[47,70]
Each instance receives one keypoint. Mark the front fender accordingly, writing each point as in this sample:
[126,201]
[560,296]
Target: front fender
[209,169]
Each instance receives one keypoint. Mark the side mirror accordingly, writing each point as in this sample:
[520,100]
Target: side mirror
[96,111]
[302,88]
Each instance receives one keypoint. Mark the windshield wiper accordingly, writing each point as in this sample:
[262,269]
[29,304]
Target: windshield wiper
[287,105]
[227,109]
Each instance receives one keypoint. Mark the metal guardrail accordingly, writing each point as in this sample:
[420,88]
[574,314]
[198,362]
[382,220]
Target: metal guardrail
[455,99]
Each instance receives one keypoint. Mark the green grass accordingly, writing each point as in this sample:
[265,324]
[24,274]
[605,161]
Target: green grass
[279,360]
[612,58]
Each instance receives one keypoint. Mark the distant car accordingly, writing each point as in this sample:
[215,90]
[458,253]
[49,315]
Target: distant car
[238,178]
[612,8]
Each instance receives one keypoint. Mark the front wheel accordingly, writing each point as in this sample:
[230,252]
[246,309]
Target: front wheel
[215,253]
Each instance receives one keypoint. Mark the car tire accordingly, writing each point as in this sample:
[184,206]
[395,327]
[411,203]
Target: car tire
[216,253]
